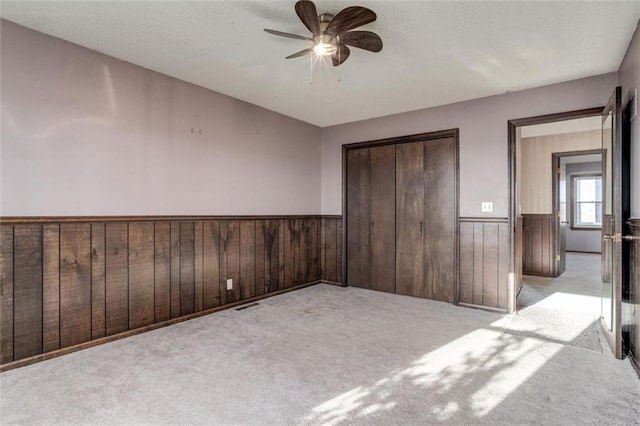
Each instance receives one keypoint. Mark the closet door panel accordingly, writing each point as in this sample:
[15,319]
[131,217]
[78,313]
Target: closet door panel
[440,206]
[410,219]
[383,217]
[358,218]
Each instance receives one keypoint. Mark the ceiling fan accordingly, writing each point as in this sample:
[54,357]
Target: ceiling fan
[331,35]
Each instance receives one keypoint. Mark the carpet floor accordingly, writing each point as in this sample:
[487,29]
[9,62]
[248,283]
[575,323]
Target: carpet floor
[565,309]
[328,355]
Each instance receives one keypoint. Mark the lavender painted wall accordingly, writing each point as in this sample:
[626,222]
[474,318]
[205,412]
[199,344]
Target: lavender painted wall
[483,137]
[87,134]
[630,80]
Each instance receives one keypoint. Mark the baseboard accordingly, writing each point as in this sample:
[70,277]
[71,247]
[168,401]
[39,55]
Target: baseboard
[482,308]
[333,283]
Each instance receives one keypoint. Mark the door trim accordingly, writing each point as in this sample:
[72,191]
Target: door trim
[512,125]
[419,137]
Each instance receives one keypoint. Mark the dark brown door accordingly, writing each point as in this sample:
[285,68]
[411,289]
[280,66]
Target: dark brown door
[401,216]
[410,219]
[616,190]
[371,218]
[358,218]
[440,220]
[383,217]
[560,217]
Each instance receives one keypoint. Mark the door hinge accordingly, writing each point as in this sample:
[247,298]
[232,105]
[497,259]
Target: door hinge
[558,257]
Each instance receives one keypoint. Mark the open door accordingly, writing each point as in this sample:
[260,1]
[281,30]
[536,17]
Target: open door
[560,210]
[614,217]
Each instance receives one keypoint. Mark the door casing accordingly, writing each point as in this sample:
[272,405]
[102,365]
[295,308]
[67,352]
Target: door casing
[515,220]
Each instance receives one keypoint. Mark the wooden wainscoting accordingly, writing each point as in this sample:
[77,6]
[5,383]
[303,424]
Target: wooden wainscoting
[538,251]
[632,311]
[484,262]
[68,281]
[331,249]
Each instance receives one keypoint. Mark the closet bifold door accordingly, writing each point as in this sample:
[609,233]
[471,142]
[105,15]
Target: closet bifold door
[410,228]
[359,218]
[440,221]
[371,218]
[383,217]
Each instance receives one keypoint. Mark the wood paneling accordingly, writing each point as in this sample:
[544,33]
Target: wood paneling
[162,271]
[272,255]
[211,264]
[51,288]
[247,282]
[75,283]
[141,274]
[68,283]
[330,240]
[117,278]
[6,294]
[484,262]
[27,291]
[175,269]
[98,287]
[538,254]
[187,268]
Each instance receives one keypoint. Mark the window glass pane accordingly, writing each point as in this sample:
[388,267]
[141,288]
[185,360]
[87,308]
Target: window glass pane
[587,213]
[588,201]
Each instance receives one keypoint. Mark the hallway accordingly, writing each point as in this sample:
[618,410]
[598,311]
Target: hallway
[565,309]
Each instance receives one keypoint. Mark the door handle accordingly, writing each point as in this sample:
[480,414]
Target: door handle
[630,238]
[615,238]
[608,237]
[421,229]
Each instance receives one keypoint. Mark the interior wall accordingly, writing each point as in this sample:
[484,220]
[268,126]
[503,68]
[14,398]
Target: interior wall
[483,137]
[88,134]
[630,82]
[536,167]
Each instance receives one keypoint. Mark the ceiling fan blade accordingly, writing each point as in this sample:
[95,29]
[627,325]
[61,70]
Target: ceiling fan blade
[350,18]
[363,39]
[341,55]
[288,35]
[308,14]
[300,53]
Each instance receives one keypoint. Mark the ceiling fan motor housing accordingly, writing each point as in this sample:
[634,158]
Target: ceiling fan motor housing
[325,43]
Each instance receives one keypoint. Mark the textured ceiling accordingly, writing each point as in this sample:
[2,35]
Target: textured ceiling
[434,53]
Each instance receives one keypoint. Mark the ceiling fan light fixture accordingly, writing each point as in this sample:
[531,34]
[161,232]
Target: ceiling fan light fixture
[325,45]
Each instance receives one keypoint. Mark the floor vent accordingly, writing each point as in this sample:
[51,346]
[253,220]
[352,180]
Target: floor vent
[251,305]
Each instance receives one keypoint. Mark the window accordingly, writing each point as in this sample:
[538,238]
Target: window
[587,201]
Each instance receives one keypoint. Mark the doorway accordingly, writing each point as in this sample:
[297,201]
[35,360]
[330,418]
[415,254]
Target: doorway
[537,220]
[560,187]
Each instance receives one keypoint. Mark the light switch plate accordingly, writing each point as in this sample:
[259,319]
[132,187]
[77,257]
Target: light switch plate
[487,207]
[230,284]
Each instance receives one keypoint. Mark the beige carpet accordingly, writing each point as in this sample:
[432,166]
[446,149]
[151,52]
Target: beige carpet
[328,355]
[565,309]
